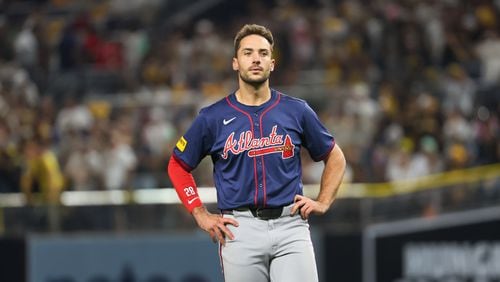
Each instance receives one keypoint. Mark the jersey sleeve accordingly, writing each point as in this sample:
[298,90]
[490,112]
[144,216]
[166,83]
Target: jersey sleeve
[195,144]
[318,141]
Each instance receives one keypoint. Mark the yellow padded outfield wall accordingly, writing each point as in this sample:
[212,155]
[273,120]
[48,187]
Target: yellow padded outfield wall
[455,177]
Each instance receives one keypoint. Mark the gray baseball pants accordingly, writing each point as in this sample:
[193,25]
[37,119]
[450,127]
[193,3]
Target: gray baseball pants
[269,250]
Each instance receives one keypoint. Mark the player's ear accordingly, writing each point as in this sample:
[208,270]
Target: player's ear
[273,61]
[236,66]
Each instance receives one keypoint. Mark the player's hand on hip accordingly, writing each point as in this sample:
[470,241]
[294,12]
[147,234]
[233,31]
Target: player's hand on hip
[214,224]
[306,206]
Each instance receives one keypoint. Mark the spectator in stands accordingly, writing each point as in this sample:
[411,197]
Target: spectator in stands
[457,156]
[74,116]
[26,46]
[400,68]
[459,91]
[10,169]
[427,159]
[486,128]
[400,166]
[119,161]
[70,52]
[488,50]
[83,167]
[155,144]
[41,173]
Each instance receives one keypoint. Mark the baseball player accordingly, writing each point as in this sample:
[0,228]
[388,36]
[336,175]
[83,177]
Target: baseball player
[254,137]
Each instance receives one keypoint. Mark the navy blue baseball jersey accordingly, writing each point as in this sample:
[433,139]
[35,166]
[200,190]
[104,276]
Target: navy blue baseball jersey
[255,149]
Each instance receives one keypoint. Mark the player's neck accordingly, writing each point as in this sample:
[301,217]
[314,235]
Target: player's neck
[251,96]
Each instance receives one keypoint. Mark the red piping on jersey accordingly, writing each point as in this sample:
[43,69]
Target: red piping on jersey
[221,260]
[327,152]
[262,156]
[182,163]
[254,159]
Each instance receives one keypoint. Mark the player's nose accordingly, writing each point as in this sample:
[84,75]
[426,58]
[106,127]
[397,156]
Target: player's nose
[256,58]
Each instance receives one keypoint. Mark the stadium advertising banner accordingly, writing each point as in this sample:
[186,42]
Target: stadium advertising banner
[458,247]
[133,258]
[159,257]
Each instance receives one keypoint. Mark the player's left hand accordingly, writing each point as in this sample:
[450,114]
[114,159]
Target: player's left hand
[306,206]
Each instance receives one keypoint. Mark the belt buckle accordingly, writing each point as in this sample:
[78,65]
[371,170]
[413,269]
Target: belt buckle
[258,213]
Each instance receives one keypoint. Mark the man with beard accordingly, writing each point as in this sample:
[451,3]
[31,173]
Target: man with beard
[254,137]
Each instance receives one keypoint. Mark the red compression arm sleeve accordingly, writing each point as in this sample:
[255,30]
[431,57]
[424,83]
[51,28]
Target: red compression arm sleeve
[184,184]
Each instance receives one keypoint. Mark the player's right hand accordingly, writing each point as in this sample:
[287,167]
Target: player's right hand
[214,224]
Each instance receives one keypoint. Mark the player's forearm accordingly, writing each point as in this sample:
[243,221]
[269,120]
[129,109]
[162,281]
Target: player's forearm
[332,176]
[199,213]
[184,185]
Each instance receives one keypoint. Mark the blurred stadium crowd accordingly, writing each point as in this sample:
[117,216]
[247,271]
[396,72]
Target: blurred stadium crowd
[94,94]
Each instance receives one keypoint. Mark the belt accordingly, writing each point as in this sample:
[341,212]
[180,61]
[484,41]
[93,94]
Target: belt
[260,213]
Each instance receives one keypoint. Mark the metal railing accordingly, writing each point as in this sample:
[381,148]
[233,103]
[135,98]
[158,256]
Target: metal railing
[358,205]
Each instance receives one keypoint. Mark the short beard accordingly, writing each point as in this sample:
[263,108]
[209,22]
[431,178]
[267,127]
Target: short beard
[256,83]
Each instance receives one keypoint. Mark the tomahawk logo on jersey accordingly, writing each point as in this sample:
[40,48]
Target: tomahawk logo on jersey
[263,141]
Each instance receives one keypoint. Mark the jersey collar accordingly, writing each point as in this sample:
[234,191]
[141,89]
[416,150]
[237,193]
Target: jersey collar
[259,108]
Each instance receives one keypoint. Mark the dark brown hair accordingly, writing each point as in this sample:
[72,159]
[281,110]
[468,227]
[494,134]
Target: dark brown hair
[250,29]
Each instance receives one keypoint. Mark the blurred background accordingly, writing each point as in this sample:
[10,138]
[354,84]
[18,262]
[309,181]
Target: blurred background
[94,95]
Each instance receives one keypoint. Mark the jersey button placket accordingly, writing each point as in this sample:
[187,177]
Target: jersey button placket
[259,161]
